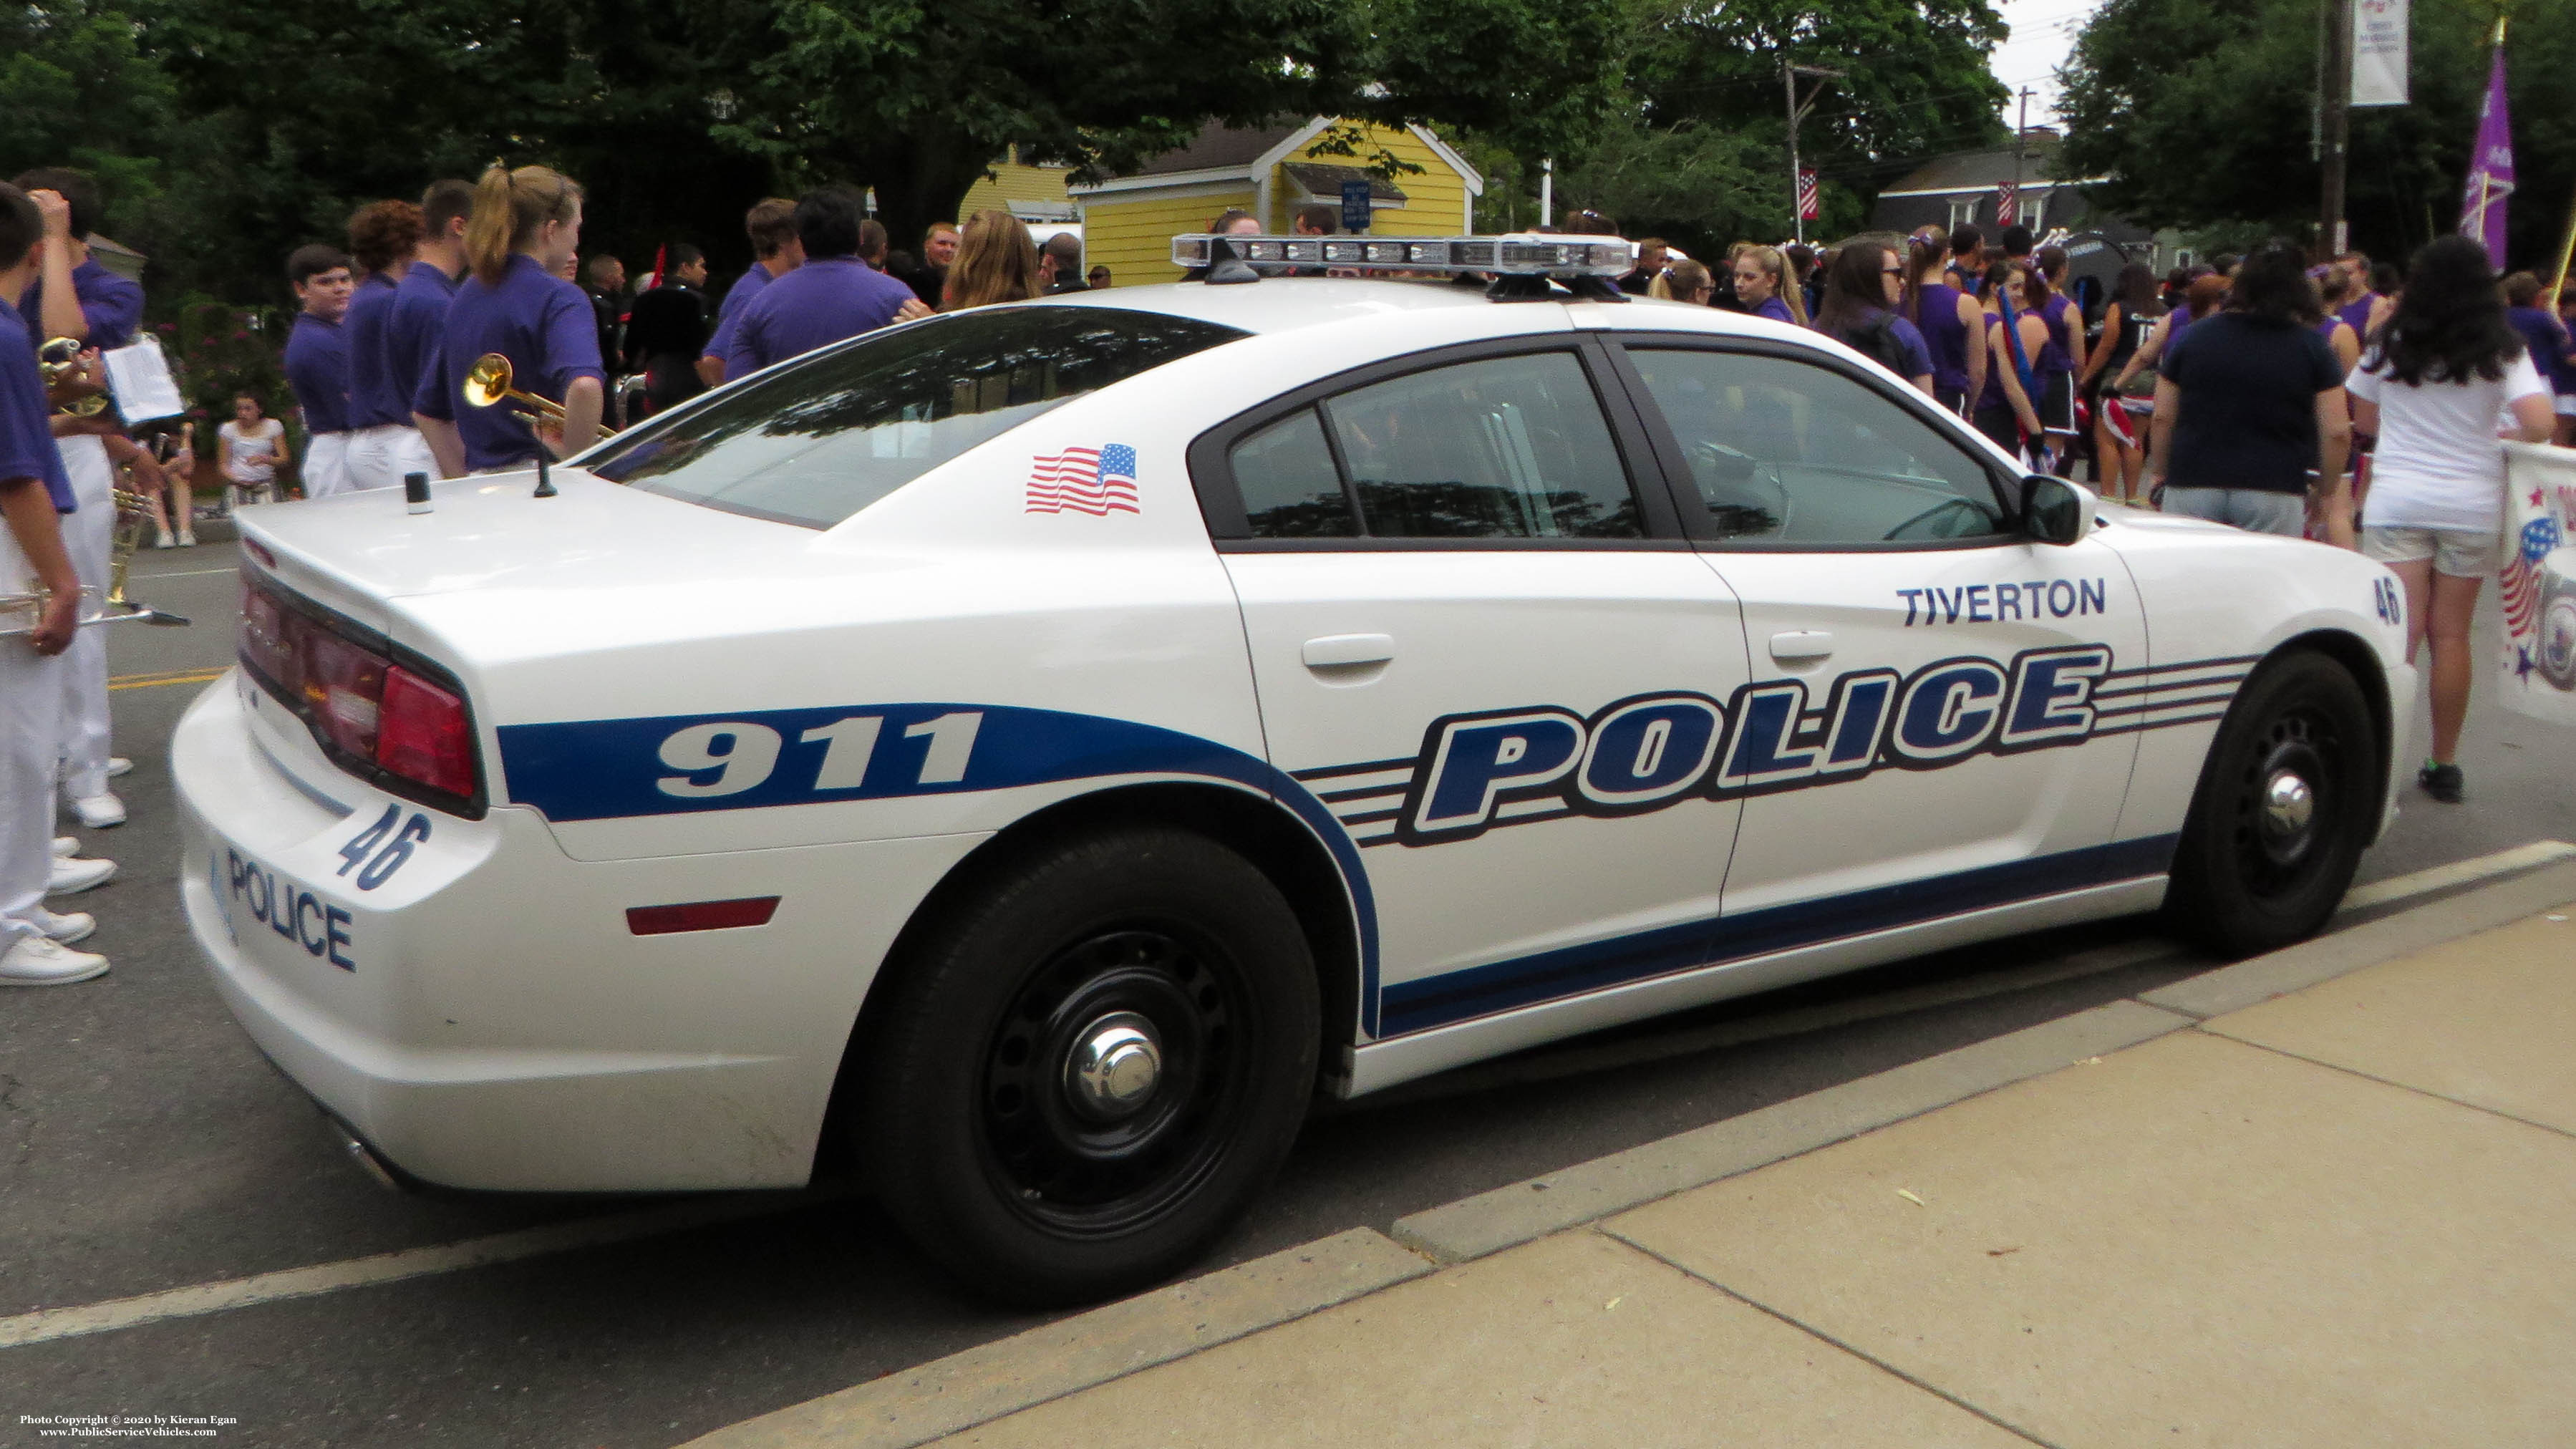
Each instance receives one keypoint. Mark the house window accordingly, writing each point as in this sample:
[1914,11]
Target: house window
[1963,211]
[2034,212]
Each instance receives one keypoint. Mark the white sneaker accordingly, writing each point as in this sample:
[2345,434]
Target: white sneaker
[75,875]
[100,811]
[65,926]
[44,961]
[66,845]
[118,765]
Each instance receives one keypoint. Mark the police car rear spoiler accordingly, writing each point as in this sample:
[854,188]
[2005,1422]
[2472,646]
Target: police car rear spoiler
[1522,266]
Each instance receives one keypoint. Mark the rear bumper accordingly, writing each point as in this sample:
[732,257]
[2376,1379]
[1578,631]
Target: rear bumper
[479,1013]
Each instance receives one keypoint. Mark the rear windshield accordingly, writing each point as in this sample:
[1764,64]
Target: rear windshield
[822,438]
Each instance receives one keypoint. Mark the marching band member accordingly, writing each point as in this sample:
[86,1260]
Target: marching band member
[419,319]
[317,364]
[832,296]
[525,228]
[771,225]
[76,297]
[34,494]
[384,238]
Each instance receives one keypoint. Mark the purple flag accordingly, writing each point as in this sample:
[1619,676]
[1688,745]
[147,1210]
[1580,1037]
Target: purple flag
[2490,168]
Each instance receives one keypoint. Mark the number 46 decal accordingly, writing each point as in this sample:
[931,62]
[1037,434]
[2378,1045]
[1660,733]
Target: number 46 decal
[744,755]
[389,854]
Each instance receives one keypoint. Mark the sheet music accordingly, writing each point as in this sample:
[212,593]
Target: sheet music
[138,378]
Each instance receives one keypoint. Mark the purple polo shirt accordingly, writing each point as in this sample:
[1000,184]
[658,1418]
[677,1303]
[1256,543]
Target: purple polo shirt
[1775,309]
[817,304]
[736,297]
[113,305]
[317,368]
[542,323]
[26,436]
[414,326]
[377,394]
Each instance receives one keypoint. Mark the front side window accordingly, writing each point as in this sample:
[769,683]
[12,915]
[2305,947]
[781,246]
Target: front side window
[1501,448]
[1791,453]
[823,437]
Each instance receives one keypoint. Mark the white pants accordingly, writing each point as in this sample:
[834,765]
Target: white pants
[326,465]
[31,692]
[381,455]
[89,535]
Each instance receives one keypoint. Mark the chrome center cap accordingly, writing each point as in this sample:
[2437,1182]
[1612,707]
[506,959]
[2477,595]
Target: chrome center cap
[1114,1067]
[2289,803]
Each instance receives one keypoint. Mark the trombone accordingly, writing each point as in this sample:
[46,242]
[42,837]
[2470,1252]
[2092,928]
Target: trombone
[20,611]
[487,384]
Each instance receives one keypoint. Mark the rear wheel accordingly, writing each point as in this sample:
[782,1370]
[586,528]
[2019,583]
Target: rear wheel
[1088,1069]
[2285,804]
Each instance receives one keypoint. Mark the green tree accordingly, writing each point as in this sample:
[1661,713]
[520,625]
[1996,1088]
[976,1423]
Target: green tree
[2199,114]
[76,89]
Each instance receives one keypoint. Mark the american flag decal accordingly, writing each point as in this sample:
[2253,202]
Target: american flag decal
[1098,481]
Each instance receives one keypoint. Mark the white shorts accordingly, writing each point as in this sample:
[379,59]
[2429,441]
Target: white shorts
[381,455]
[326,465]
[2455,552]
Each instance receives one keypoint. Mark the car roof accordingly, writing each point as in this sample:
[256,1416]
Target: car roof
[1286,304]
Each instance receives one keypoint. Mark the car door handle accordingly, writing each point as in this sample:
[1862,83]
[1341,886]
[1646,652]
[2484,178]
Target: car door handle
[1801,644]
[1346,649]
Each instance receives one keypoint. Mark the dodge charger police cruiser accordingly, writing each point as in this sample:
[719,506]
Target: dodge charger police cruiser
[1041,747]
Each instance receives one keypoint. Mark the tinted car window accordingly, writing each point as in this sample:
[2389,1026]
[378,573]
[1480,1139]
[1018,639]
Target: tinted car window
[1289,485]
[1799,454]
[826,436]
[1508,447]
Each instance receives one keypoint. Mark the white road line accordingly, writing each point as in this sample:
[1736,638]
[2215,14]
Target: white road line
[2458,872]
[45,1325]
[189,574]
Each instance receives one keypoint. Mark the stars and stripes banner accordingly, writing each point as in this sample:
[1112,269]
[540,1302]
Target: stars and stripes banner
[2537,583]
[1098,481]
[1807,209]
[2007,204]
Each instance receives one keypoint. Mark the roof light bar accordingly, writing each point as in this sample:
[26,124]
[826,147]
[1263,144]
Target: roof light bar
[1524,255]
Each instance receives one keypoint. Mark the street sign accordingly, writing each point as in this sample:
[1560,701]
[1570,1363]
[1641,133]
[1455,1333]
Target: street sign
[1355,206]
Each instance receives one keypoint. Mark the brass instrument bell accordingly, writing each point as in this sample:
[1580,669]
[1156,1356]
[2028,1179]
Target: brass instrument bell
[59,361]
[487,384]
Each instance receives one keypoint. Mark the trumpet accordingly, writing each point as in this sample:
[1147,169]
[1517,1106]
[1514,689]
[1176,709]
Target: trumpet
[20,611]
[59,361]
[487,384]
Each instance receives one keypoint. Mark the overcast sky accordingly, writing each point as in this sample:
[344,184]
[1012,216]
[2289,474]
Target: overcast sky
[2043,33]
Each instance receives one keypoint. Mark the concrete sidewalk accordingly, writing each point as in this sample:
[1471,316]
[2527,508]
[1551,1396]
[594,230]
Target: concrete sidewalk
[2334,1216]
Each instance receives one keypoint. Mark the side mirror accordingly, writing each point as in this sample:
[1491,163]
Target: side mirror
[2054,510]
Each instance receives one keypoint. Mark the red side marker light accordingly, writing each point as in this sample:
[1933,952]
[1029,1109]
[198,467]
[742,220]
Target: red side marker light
[700,916]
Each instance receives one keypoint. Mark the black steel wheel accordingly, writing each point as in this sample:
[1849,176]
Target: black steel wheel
[1088,1066]
[2289,796]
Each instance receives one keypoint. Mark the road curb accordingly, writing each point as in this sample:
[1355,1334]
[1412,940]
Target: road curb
[982,1384]
[979,1385]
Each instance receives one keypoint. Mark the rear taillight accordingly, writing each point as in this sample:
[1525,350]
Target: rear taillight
[376,717]
[423,734]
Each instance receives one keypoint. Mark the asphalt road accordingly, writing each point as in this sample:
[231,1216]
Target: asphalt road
[145,1146]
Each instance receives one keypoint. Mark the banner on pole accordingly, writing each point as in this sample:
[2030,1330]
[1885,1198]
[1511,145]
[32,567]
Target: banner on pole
[2007,204]
[1807,196]
[2380,51]
[2490,181]
[2537,582]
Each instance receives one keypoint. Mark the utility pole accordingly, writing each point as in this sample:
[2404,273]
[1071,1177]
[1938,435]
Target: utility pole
[2336,104]
[2021,143]
[1547,192]
[1789,74]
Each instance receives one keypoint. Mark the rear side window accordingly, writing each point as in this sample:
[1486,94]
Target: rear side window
[826,436]
[1498,448]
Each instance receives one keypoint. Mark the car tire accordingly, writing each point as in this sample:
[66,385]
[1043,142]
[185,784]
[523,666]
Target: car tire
[2558,639]
[2286,802]
[1090,1064]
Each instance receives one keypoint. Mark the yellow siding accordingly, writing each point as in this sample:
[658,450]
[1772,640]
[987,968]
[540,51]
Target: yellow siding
[1435,198]
[1010,181]
[1134,238]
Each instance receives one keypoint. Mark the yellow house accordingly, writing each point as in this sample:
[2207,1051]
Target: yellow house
[1128,221]
[1030,190]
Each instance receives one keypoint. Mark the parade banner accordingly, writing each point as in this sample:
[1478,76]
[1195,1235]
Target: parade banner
[2490,180]
[2537,581]
[2379,52]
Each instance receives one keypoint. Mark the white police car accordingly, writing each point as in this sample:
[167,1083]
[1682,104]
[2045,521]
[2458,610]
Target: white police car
[1042,746]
